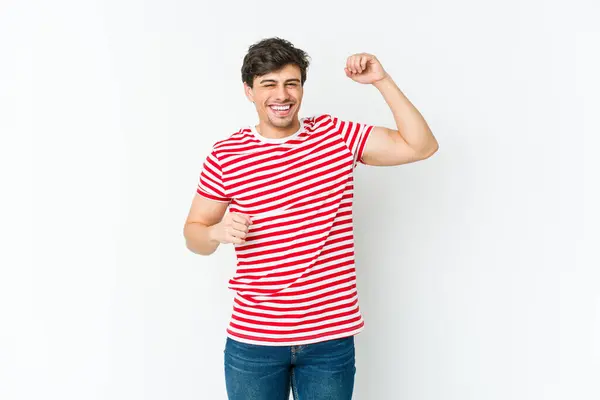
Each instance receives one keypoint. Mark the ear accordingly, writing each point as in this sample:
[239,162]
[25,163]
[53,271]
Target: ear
[249,92]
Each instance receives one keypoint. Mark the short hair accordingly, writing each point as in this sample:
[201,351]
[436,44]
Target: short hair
[270,55]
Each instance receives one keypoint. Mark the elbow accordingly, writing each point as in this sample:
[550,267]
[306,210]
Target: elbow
[196,250]
[434,146]
[189,243]
[193,244]
[430,150]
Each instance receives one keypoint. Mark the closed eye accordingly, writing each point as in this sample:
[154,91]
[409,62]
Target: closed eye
[289,84]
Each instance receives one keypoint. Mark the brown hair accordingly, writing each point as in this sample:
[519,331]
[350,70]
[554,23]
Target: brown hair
[271,55]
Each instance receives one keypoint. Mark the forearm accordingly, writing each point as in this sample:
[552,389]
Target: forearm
[198,239]
[410,123]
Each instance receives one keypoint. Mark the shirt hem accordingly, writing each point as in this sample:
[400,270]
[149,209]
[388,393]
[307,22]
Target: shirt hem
[320,338]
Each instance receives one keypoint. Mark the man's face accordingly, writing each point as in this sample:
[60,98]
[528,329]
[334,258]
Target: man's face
[277,96]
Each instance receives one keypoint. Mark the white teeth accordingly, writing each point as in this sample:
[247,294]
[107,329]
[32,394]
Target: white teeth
[280,108]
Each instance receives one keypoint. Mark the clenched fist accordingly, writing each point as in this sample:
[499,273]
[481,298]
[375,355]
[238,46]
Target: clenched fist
[233,228]
[364,68]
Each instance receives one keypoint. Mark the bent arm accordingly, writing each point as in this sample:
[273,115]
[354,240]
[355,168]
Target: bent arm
[412,141]
[197,231]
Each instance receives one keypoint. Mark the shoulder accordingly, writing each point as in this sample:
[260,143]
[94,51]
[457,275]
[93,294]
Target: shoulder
[319,121]
[233,140]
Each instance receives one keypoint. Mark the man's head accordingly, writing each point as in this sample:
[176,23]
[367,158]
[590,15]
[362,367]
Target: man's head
[274,72]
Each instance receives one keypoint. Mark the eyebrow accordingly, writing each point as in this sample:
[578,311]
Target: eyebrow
[274,81]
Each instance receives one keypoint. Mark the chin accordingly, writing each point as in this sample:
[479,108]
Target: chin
[282,123]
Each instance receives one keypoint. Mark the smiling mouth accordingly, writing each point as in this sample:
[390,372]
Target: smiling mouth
[281,110]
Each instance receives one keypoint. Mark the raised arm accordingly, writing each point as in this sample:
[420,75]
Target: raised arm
[412,140]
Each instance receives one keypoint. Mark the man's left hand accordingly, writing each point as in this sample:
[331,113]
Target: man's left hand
[364,68]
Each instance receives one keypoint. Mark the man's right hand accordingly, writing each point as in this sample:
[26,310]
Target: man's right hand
[233,228]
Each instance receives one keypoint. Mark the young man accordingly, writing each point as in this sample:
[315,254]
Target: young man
[288,183]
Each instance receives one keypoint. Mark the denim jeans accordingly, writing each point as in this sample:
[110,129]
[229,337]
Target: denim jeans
[316,371]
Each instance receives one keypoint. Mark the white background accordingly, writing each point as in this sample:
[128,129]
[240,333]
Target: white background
[476,268]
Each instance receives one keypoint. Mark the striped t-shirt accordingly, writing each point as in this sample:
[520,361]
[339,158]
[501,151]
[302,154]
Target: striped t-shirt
[295,281]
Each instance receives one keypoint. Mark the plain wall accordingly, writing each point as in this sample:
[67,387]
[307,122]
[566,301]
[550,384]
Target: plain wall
[477,274]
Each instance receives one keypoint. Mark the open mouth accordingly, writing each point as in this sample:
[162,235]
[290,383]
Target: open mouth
[281,110]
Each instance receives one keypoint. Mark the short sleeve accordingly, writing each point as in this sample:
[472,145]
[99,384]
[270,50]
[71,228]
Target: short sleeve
[354,134]
[210,182]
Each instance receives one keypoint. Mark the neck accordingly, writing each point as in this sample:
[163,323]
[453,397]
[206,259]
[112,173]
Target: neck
[270,131]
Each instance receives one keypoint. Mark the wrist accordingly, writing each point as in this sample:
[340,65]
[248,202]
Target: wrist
[386,78]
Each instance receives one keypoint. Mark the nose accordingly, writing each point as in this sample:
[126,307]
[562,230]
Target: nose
[282,93]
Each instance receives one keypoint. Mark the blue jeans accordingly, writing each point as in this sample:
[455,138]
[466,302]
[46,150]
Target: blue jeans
[316,371]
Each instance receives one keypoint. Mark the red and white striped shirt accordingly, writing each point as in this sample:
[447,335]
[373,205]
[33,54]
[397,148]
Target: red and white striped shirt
[295,281]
